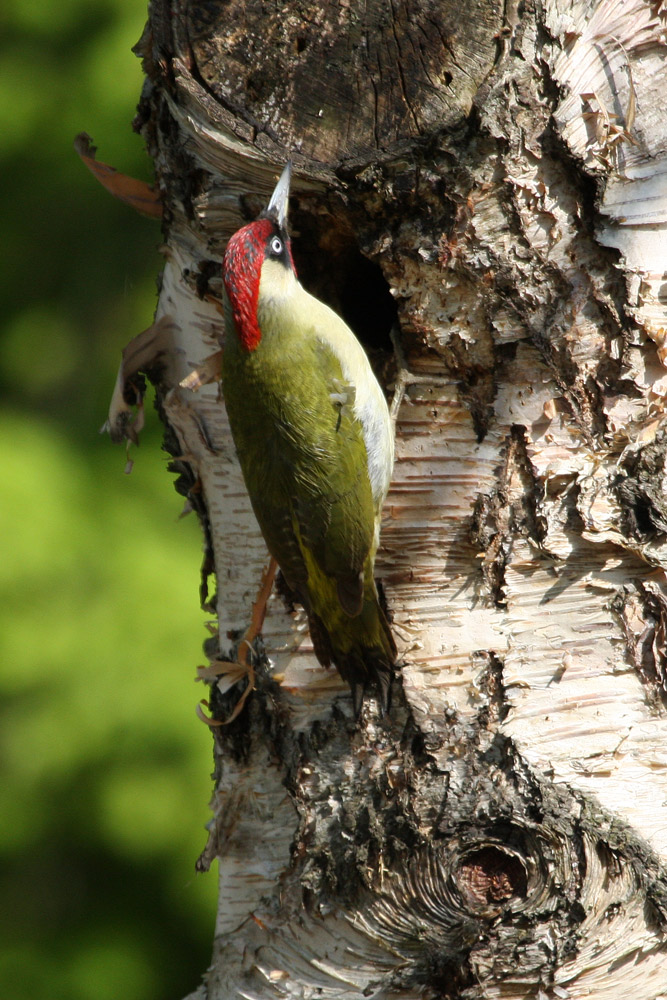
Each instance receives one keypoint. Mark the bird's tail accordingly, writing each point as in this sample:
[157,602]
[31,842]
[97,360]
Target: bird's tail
[360,646]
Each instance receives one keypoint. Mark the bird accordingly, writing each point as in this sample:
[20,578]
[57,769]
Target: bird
[314,439]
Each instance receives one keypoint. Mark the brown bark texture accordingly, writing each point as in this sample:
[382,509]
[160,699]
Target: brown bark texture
[489,181]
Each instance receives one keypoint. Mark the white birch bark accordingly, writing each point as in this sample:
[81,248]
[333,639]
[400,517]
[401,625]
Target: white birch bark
[503,833]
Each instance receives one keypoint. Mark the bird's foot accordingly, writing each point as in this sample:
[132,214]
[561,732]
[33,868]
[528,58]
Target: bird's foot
[235,671]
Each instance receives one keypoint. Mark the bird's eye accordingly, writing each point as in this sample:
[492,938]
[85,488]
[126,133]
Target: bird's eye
[276,245]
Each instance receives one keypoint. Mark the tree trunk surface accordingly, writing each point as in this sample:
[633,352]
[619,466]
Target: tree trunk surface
[489,179]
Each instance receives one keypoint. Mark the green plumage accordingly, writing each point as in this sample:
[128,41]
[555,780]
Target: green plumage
[305,464]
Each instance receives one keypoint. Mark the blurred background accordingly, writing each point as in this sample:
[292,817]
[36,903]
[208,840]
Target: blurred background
[105,769]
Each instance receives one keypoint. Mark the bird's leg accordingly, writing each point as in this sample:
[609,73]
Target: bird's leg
[258,611]
[258,614]
[244,665]
[404,377]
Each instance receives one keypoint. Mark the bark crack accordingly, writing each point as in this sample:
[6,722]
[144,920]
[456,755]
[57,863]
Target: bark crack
[511,509]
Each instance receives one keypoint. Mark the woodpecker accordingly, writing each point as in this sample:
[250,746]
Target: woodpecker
[312,431]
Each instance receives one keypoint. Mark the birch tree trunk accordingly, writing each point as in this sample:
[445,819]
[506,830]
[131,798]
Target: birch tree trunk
[491,179]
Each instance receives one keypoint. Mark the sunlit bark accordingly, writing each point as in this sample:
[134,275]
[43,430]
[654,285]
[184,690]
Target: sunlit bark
[493,180]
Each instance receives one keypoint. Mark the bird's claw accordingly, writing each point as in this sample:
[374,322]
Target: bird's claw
[236,670]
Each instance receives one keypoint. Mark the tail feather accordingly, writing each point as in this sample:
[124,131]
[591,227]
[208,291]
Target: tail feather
[348,626]
[361,648]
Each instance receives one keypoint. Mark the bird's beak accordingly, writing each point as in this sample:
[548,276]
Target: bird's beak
[277,207]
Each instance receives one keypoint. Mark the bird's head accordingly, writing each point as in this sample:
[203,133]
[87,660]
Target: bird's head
[258,262]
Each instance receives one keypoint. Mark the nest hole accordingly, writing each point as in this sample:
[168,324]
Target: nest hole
[331,266]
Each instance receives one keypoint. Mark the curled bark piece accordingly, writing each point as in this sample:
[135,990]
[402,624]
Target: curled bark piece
[138,194]
[145,354]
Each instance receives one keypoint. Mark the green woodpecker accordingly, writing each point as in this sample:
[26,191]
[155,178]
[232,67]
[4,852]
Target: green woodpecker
[314,439]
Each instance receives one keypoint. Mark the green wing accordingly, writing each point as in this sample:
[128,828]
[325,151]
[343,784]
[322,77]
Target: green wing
[305,466]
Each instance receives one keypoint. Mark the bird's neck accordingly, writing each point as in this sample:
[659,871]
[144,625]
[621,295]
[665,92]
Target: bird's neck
[277,284]
[254,305]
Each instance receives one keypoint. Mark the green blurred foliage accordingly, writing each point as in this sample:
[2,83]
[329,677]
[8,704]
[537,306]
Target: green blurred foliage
[105,769]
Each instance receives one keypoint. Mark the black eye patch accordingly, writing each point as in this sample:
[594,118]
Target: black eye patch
[277,248]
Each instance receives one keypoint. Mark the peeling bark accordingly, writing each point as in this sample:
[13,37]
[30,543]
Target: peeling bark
[491,179]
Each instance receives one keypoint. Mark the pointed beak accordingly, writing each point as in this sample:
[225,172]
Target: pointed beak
[277,207]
